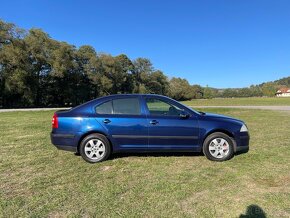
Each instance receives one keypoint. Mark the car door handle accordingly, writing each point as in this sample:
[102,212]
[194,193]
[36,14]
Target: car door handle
[106,121]
[153,122]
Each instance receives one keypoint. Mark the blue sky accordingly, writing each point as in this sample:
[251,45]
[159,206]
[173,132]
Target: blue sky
[233,43]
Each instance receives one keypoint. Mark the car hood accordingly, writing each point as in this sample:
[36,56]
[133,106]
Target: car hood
[223,117]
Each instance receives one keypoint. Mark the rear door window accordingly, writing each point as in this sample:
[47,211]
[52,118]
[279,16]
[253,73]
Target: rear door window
[129,106]
[105,108]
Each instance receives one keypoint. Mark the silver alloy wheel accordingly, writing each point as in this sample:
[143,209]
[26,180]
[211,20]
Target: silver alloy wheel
[95,149]
[219,148]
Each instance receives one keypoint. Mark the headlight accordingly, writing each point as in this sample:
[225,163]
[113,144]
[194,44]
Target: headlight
[244,128]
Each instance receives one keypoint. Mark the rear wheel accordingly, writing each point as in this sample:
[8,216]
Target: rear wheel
[95,148]
[218,147]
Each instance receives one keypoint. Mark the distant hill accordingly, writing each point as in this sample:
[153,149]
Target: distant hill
[283,82]
[263,89]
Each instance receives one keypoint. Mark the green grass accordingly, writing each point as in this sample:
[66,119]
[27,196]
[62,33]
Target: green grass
[37,180]
[239,101]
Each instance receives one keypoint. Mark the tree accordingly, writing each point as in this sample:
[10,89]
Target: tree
[157,83]
[65,78]
[13,67]
[180,89]
[125,68]
[142,69]
[39,50]
[197,91]
[269,89]
[208,93]
[89,68]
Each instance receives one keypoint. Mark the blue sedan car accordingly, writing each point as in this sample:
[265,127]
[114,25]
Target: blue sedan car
[146,123]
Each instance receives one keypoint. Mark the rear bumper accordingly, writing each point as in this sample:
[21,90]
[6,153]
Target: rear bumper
[63,141]
[66,148]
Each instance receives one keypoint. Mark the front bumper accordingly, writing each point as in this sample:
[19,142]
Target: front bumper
[242,143]
[242,149]
[63,141]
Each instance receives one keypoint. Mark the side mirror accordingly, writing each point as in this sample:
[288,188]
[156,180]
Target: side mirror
[184,115]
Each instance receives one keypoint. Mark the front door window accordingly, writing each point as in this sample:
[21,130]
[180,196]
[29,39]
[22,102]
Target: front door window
[159,107]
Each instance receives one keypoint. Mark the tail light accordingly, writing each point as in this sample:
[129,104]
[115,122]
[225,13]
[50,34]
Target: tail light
[54,122]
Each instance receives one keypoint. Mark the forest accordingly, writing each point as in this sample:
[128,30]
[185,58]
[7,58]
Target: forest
[39,71]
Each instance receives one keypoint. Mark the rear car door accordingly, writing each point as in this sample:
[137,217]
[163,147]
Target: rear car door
[167,129]
[125,122]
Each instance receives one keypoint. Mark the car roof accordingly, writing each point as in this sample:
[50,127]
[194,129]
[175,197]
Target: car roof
[117,95]
[128,95]
[109,97]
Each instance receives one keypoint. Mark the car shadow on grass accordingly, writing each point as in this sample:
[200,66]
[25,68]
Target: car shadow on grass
[162,154]
[254,211]
[155,154]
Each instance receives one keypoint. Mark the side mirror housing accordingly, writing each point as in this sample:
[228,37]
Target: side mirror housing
[184,115]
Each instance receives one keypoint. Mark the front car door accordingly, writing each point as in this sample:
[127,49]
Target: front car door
[125,122]
[168,129]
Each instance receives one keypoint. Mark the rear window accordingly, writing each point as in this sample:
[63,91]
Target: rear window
[129,106]
[105,108]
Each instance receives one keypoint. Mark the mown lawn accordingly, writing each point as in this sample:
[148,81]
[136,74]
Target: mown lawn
[37,180]
[255,101]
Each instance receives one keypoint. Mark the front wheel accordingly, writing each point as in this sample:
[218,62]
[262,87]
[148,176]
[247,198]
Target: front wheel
[95,148]
[218,147]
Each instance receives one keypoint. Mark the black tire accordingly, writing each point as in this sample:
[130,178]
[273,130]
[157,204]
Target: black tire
[105,142]
[218,135]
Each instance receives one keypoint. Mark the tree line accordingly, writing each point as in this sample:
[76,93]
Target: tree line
[37,70]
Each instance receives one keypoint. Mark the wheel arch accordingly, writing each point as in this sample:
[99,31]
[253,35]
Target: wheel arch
[228,133]
[92,132]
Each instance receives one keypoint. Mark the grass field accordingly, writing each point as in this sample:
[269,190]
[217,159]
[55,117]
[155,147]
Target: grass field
[239,101]
[37,180]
